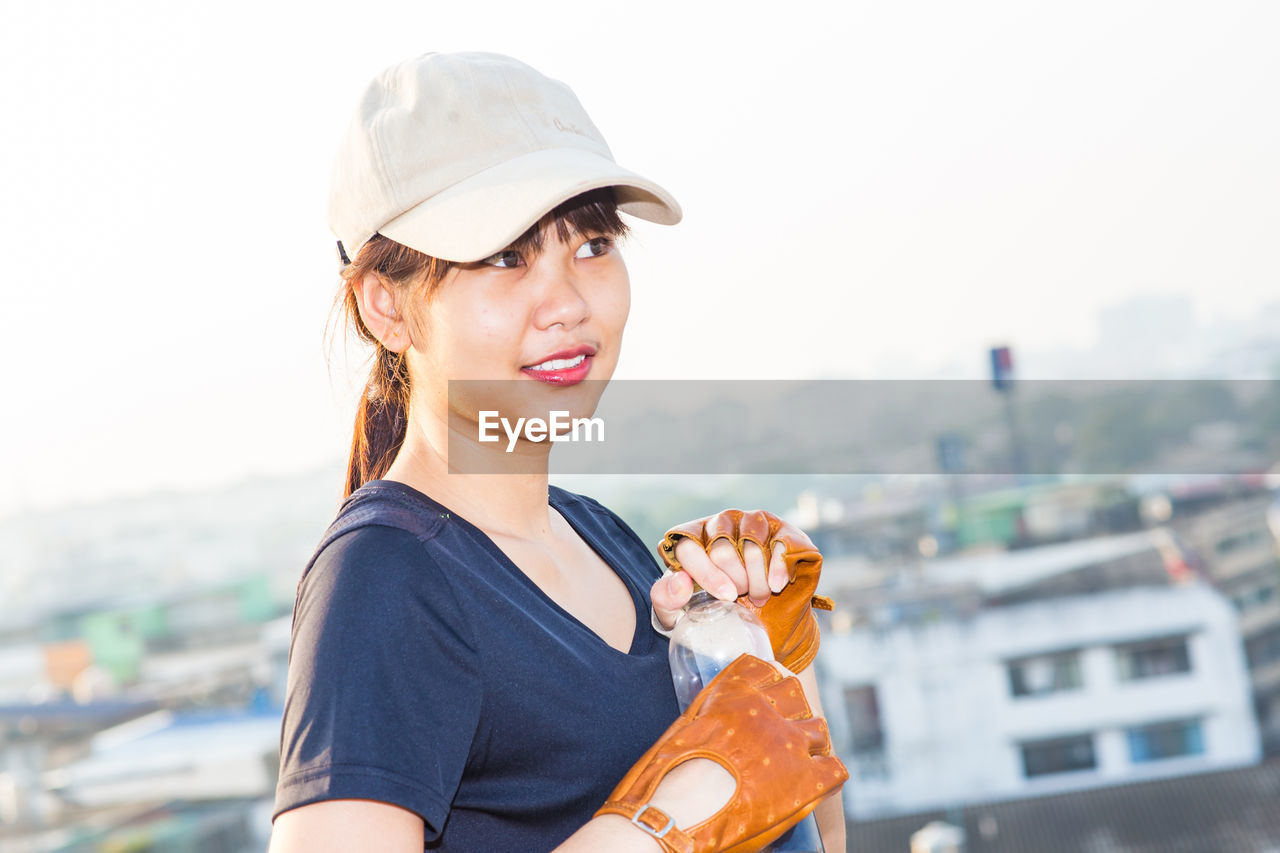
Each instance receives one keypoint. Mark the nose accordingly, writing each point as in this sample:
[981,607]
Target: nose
[561,297]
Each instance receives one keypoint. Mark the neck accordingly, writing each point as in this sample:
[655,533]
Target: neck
[501,492]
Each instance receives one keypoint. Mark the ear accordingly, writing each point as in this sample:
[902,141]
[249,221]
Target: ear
[378,311]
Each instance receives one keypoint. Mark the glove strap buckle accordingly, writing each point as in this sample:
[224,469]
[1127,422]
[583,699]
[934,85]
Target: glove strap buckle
[652,829]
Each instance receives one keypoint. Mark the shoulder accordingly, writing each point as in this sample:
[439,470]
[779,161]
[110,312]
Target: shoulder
[380,595]
[380,519]
[367,551]
[365,574]
[374,573]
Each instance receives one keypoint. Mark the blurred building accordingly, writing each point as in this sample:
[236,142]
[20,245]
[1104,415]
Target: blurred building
[150,775]
[1239,550]
[1232,810]
[37,736]
[1035,672]
[902,528]
[156,729]
[143,657]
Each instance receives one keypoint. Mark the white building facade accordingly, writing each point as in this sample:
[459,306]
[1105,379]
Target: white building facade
[1037,698]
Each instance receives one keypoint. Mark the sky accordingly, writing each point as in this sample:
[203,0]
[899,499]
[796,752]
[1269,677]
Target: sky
[871,190]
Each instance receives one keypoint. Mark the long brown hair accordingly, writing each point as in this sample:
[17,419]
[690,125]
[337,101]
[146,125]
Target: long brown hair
[382,415]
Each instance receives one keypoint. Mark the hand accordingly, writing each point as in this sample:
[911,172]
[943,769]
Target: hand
[724,554]
[754,723]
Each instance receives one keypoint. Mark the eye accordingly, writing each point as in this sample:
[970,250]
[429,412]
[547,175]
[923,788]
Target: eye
[505,259]
[594,248]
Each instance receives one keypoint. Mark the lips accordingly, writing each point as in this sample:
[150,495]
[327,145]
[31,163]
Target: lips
[566,367]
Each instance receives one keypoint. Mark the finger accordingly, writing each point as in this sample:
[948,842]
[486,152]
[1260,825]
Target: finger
[778,575]
[798,538]
[753,671]
[723,524]
[788,699]
[669,595]
[704,572]
[757,574]
[754,526]
[833,769]
[817,735]
[726,558]
[782,670]
[828,776]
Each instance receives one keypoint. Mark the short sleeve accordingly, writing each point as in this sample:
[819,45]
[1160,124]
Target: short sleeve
[383,695]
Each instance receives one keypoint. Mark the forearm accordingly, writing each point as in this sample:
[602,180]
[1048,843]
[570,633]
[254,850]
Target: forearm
[609,832]
[830,812]
[830,817]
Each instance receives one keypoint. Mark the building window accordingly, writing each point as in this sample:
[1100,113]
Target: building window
[1252,537]
[1252,599]
[1263,649]
[1045,674]
[1256,589]
[1267,709]
[1060,755]
[866,733]
[1153,659]
[1165,740]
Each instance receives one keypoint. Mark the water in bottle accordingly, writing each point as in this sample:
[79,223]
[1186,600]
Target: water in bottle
[709,637]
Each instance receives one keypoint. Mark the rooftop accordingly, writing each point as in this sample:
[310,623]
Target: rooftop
[1234,810]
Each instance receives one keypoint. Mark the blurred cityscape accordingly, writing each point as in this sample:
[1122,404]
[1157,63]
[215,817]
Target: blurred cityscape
[1058,640]
[143,652]
[1015,662]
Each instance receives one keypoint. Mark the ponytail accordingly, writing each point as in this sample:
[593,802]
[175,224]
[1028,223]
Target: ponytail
[382,417]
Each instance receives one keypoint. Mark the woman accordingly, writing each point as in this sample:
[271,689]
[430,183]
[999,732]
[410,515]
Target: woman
[473,665]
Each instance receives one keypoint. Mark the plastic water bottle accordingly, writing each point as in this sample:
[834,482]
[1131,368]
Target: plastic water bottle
[710,636]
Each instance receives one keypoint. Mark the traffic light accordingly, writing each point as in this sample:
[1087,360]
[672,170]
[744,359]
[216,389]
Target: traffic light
[1001,368]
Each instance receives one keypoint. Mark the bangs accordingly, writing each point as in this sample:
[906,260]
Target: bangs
[594,212]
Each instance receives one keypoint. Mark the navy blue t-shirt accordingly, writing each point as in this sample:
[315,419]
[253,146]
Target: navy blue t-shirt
[428,671]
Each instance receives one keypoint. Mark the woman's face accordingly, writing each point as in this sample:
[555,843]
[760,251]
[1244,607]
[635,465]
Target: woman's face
[542,323]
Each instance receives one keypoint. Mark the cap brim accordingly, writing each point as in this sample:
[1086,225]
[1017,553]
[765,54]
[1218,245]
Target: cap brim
[486,212]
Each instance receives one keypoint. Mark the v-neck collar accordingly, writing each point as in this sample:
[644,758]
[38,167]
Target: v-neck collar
[641,638]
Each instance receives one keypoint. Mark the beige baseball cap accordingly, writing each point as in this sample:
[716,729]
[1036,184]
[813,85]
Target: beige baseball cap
[457,154]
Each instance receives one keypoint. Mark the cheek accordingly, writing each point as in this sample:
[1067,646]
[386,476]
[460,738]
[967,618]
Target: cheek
[626,302]
[477,335]
[494,326]
[617,305]
[488,328]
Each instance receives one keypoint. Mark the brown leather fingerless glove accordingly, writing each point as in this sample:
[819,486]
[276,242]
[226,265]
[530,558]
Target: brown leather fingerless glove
[788,615]
[758,726]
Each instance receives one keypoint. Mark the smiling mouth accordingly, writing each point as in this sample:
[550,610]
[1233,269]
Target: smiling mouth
[559,363]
